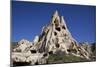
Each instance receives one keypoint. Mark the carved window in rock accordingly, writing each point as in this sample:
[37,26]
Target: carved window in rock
[51,52]
[45,55]
[55,33]
[36,63]
[16,58]
[69,50]
[56,22]
[63,27]
[22,42]
[58,28]
[33,51]
[31,46]
[57,45]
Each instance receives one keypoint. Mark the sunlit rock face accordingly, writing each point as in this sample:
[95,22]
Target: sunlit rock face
[54,37]
[87,47]
[26,52]
[23,45]
[31,58]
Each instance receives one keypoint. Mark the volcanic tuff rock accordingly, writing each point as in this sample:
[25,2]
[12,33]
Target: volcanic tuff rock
[54,37]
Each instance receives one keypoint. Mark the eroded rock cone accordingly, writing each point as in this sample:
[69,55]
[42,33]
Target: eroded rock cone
[56,36]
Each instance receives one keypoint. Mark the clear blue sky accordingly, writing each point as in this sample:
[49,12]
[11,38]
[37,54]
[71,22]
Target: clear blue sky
[28,18]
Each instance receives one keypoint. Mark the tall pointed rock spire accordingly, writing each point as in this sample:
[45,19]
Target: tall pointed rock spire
[63,21]
[56,13]
[64,24]
[55,17]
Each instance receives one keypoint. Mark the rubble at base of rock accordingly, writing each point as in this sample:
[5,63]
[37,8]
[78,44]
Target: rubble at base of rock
[54,37]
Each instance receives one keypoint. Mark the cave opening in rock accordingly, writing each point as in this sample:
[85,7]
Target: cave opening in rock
[58,28]
[55,33]
[45,54]
[51,52]
[63,27]
[33,51]
[57,45]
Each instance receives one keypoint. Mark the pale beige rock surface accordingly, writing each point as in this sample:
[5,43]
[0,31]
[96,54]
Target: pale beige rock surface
[54,37]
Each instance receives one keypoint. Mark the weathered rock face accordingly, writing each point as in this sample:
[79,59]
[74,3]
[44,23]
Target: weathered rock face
[23,46]
[25,52]
[29,57]
[87,47]
[54,37]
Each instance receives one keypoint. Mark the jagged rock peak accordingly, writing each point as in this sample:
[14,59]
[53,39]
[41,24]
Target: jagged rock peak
[63,21]
[56,36]
[55,17]
[55,13]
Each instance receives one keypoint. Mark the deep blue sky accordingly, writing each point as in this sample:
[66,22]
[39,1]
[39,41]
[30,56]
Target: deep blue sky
[28,18]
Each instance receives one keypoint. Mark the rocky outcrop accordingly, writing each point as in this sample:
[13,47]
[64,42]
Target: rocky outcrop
[54,37]
[24,52]
[23,46]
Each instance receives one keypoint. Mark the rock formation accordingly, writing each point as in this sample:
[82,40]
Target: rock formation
[54,37]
